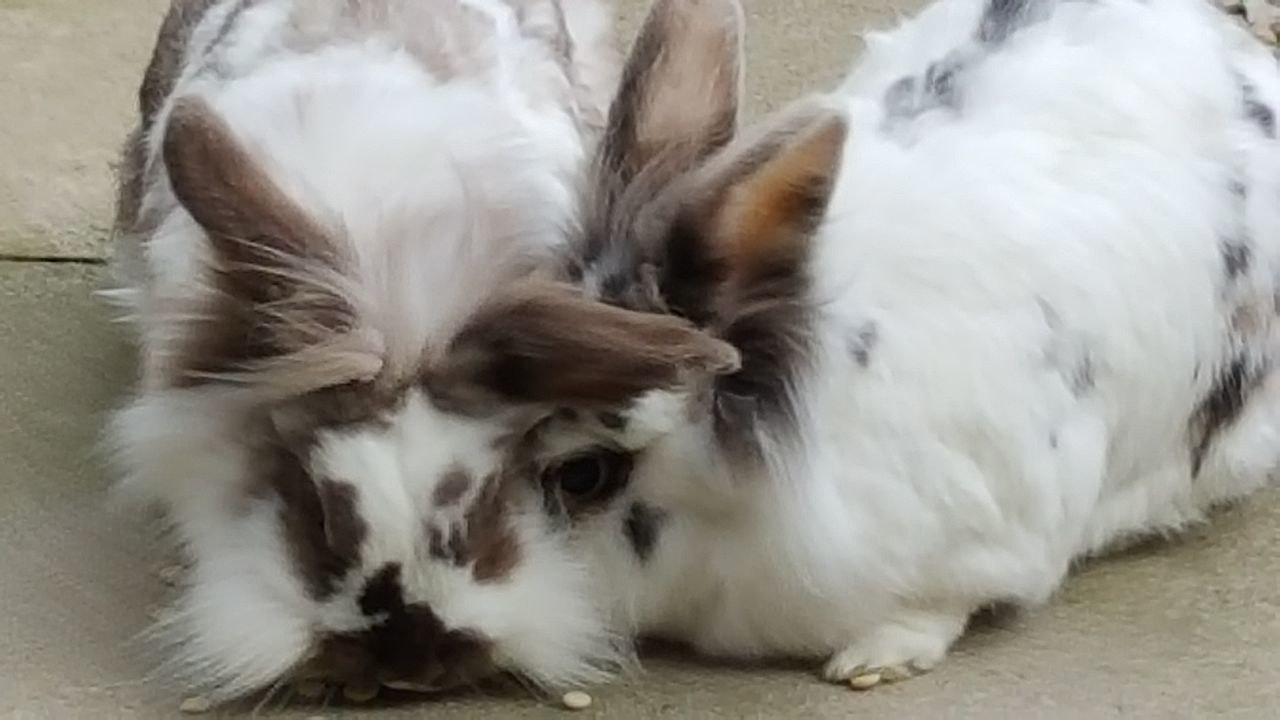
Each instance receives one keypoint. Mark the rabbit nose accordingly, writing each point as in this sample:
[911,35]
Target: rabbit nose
[408,644]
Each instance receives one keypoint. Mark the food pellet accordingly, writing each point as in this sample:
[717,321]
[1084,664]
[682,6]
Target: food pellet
[310,689]
[196,704]
[360,692]
[576,700]
[866,681]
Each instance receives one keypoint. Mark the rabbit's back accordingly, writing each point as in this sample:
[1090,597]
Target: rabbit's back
[1050,271]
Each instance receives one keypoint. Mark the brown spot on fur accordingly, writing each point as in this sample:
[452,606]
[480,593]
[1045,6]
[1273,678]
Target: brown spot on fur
[451,488]
[322,528]
[341,406]
[642,527]
[491,537]
[545,343]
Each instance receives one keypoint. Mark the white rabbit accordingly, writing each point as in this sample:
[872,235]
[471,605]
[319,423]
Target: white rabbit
[318,195]
[1006,300]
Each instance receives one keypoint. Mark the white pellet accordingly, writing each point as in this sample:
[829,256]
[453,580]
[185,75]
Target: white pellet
[196,704]
[866,681]
[576,700]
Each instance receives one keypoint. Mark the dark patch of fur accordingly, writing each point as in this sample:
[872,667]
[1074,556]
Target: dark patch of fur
[1083,379]
[484,537]
[1257,111]
[940,82]
[1237,257]
[491,536]
[863,342]
[322,529]
[351,405]
[1220,408]
[1002,18]
[549,345]
[451,488]
[408,643]
[642,526]
[900,98]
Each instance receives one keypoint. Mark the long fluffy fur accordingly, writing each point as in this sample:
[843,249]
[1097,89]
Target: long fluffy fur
[1036,337]
[443,141]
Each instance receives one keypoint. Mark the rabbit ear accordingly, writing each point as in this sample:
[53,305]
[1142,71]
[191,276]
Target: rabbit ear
[544,343]
[252,224]
[744,235]
[768,197]
[280,291]
[679,95]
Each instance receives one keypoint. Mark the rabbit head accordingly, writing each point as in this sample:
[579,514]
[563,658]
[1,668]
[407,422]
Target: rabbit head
[692,254]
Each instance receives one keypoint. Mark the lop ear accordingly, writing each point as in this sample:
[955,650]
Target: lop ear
[679,94]
[281,301]
[545,343]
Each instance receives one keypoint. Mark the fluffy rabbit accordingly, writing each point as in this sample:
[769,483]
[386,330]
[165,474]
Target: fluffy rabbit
[321,195]
[1006,300]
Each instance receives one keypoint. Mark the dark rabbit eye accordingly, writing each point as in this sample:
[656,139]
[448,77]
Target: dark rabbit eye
[591,479]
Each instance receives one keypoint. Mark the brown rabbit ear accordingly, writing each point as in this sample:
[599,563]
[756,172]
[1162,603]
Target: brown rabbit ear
[278,273]
[547,344]
[679,95]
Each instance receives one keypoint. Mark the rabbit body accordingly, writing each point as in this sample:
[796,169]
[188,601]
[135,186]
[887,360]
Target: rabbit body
[1043,322]
[317,195]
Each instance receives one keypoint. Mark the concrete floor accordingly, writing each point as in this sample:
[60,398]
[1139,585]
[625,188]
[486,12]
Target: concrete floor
[1188,629]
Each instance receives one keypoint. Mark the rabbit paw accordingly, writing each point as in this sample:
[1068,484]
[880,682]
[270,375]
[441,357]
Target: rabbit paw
[902,648]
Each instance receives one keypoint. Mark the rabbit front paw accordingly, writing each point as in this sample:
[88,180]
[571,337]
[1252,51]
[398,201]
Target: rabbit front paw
[905,646]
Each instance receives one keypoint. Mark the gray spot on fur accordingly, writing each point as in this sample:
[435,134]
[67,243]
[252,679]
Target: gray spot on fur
[1082,379]
[642,526]
[1256,110]
[900,98]
[863,342]
[1237,257]
[940,81]
[1002,18]
[1220,408]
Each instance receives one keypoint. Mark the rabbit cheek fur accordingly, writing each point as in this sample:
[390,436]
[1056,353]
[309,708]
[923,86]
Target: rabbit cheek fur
[1025,312]
[318,198]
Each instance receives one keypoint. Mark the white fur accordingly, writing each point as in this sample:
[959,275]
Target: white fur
[1072,209]
[438,184]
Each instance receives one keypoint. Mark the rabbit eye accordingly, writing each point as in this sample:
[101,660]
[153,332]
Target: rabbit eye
[588,480]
